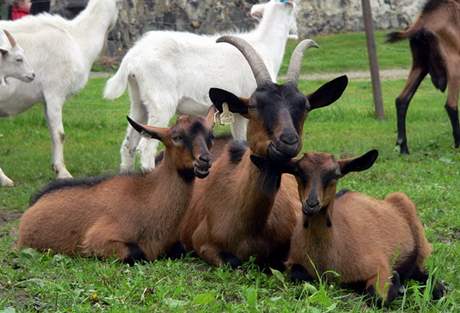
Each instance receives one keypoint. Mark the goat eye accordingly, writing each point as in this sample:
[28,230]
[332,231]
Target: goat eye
[177,138]
[19,60]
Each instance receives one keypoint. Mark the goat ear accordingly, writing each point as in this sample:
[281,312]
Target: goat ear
[235,104]
[149,131]
[358,164]
[328,93]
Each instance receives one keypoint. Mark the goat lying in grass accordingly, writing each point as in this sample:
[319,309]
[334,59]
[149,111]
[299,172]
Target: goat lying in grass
[372,244]
[169,72]
[227,218]
[130,217]
[61,52]
[13,64]
[435,45]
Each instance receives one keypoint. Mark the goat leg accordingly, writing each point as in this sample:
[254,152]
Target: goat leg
[439,288]
[416,76]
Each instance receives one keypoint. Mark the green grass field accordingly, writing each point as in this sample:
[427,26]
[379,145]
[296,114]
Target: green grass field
[32,281]
[348,52]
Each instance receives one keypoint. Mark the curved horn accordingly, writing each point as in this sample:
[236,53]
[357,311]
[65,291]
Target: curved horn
[258,67]
[295,64]
[10,38]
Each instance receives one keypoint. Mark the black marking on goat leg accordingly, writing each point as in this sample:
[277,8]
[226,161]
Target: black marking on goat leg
[176,251]
[135,254]
[401,111]
[187,174]
[236,150]
[299,274]
[393,291]
[421,276]
[357,286]
[230,259]
[453,116]
[408,266]
[439,290]
[341,193]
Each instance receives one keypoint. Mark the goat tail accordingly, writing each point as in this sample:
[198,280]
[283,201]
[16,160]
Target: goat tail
[117,84]
[396,36]
[405,34]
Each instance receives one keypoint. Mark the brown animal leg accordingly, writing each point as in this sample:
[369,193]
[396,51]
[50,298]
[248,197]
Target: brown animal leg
[102,240]
[452,109]
[207,251]
[421,275]
[416,76]
[299,274]
[383,286]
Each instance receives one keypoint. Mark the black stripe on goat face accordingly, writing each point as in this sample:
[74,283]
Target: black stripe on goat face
[317,177]
[277,120]
[193,140]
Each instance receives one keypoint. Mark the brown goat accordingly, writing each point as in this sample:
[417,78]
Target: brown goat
[372,244]
[227,217]
[131,217]
[435,45]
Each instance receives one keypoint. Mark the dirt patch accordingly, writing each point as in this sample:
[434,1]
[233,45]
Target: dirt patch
[390,74]
[6,217]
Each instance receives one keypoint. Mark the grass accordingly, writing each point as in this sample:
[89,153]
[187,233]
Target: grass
[348,52]
[32,281]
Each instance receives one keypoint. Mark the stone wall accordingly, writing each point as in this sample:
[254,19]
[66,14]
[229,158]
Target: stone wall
[210,16]
[330,16]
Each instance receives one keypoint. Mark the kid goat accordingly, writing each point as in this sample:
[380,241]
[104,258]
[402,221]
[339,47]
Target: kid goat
[435,45]
[169,72]
[61,52]
[227,218]
[13,64]
[372,244]
[130,217]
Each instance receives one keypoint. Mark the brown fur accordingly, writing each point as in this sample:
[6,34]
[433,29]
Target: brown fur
[360,238]
[435,45]
[117,214]
[231,211]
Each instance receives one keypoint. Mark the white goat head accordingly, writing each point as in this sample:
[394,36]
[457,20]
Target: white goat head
[257,12]
[13,61]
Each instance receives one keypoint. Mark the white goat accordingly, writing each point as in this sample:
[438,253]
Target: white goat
[61,52]
[13,64]
[169,72]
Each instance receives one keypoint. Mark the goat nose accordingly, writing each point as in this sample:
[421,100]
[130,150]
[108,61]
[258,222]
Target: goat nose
[205,158]
[33,75]
[313,203]
[289,138]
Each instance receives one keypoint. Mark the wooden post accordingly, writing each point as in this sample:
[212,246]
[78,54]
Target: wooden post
[373,60]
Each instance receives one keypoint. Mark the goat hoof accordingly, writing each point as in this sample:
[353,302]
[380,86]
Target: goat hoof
[230,259]
[404,150]
[439,290]
[63,174]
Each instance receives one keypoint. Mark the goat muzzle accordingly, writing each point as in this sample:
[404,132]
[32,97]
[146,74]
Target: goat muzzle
[282,151]
[201,166]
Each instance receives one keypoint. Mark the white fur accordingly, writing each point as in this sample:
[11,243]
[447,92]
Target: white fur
[169,72]
[61,52]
